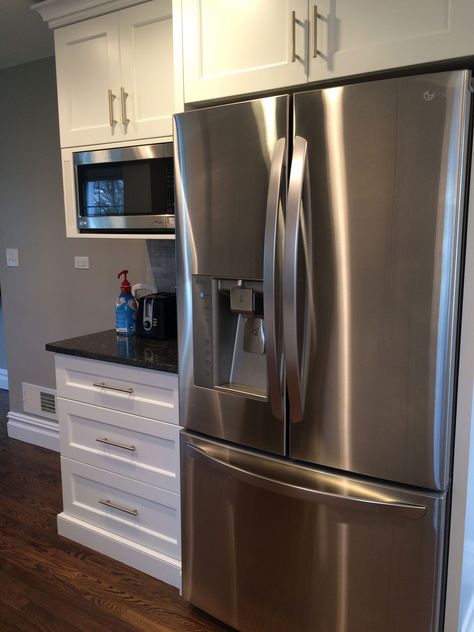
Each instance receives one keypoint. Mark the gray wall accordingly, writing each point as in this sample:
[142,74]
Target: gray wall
[46,299]
[3,355]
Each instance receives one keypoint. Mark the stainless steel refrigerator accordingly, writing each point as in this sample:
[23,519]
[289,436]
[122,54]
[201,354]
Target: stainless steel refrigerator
[320,248]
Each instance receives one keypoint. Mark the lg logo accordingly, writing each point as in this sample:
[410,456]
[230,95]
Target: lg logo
[428,95]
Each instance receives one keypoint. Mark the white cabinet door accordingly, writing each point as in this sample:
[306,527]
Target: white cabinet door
[234,47]
[87,67]
[146,54]
[359,37]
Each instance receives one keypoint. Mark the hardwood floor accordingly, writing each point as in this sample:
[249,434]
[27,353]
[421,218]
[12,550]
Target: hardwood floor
[50,584]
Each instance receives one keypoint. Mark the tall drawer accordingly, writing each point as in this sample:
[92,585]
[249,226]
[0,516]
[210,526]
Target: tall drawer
[128,389]
[142,513]
[142,448]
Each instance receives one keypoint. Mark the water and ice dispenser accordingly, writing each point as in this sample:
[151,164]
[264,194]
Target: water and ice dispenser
[229,336]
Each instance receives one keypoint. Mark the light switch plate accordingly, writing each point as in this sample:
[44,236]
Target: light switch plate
[12,257]
[81,263]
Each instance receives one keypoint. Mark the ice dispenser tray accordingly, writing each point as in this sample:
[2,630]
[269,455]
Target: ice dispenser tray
[229,336]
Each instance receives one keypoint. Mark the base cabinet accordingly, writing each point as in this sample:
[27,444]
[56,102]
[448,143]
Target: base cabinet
[119,437]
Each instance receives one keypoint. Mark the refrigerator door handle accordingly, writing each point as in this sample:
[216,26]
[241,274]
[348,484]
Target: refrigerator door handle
[370,503]
[298,348]
[273,230]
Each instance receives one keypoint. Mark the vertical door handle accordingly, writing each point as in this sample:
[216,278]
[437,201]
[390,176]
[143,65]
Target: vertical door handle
[111,97]
[315,30]
[271,308]
[298,221]
[293,36]
[123,101]
[294,22]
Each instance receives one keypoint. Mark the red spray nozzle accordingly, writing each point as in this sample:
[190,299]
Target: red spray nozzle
[125,283]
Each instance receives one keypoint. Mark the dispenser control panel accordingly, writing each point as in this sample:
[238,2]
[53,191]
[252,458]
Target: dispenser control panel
[202,331]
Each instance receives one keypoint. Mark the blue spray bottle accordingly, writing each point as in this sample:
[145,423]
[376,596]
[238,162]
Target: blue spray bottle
[125,308]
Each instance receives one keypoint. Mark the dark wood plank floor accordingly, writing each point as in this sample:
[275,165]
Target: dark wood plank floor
[50,584]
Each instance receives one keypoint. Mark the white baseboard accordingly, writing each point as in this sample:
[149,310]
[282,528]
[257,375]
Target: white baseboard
[36,430]
[4,379]
[135,555]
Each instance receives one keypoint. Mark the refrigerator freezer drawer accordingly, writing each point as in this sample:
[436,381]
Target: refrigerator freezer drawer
[269,545]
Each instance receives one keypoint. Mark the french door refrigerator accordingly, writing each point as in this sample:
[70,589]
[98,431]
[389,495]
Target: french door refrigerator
[319,247]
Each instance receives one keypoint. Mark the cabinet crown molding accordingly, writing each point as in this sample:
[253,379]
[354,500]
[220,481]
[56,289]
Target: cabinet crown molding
[59,13]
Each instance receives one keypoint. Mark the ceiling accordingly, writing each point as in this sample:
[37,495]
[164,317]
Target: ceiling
[23,34]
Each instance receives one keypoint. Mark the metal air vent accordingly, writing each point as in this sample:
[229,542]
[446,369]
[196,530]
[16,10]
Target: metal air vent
[39,401]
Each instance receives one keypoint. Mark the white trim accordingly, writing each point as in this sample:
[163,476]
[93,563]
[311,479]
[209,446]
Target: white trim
[34,430]
[142,558]
[4,379]
[62,12]
[463,480]
[468,624]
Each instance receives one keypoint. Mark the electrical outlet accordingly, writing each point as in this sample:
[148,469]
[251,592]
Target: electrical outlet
[81,263]
[12,257]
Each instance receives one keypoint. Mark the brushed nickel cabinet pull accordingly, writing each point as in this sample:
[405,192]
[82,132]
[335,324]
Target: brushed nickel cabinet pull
[112,121]
[315,30]
[123,99]
[293,37]
[294,22]
[124,446]
[119,389]
[109,503]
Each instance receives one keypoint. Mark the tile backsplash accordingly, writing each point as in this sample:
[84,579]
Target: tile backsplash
[161,254]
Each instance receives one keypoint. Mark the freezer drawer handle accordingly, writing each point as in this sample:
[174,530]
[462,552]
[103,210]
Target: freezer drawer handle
[402,510]
[124,446]
[109,503]
[272,253]
[109,387]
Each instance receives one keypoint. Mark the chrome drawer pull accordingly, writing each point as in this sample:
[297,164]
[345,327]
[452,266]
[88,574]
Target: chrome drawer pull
[124,446]
[109,503]
[113,388]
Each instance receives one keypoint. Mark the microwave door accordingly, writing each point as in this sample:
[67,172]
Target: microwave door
[125,189]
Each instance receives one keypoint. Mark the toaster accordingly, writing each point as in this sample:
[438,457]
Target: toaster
[156,316]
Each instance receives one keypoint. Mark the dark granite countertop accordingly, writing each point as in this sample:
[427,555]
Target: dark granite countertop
[160,355]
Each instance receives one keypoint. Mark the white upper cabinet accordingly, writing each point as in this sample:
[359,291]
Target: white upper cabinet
[146,61]
[232,47]
[88,73]
[236,47]
[115,76]
[369,35]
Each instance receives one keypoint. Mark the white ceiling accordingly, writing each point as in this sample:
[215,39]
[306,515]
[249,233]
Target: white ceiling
[23,34]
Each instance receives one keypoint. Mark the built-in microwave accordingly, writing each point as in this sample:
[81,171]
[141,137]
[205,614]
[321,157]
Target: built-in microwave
[125,189]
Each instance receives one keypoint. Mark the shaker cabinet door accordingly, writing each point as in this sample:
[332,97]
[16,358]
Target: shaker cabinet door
[358,37]
[115,76]
[146,56]
[88,76]
[234,48]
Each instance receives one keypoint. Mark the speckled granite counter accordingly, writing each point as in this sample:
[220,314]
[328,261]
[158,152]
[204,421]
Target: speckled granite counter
[160,355]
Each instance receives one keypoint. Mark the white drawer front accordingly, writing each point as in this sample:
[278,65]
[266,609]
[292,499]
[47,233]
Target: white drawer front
[128,389]
[140,448]
[141,513]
